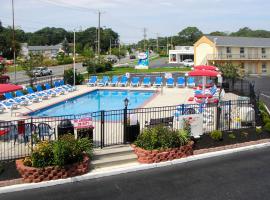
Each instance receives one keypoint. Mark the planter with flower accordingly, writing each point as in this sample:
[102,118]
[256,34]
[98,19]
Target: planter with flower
[50,160]
[161,143]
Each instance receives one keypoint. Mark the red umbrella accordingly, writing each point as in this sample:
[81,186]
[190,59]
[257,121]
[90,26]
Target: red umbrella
[205,67]
[204,74]
[9,88]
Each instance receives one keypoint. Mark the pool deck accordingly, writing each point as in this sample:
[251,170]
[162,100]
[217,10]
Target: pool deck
[164,97]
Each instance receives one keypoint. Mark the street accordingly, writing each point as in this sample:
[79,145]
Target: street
[238,176]
[57,70]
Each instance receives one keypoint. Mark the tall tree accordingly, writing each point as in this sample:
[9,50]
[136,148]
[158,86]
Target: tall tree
[189,35]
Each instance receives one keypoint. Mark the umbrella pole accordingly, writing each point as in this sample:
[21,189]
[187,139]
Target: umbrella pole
[203,84]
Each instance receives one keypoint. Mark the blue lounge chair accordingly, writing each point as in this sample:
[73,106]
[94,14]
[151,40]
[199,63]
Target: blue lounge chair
[15,100]
[28,97]
[9,105]
[104,81]
[158,82]
[56,90]
[146,82]
[123,81]
[135,81]
[38,94]
[180,82]
[114,81]
[67,86]
[191,82]
[170,82]
[92,81]
[58,86]
[50,93]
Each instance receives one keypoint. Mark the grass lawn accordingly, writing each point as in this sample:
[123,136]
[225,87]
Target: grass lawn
[123,70]
[12,68]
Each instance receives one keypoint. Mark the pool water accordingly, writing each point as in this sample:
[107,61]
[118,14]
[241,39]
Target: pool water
[95,101]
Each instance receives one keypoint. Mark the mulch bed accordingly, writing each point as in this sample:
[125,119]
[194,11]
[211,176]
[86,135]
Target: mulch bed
[241,136]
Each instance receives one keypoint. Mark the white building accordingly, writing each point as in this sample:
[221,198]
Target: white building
[181,53]
[46,51]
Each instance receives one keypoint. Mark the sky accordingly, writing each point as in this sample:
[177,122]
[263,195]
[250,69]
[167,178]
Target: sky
[129,17]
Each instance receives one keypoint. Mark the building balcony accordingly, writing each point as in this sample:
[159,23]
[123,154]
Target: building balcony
[238,57]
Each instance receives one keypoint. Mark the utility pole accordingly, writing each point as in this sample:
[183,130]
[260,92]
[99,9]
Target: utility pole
[144,38]
[110,46]
[171,42]
[74,58]
[119,49]
[167,46]
[157,43]
[99,14]
[13,42]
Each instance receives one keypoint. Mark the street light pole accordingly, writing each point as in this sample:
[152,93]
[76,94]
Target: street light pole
[110,46]
[13,42]
[74,58]
[99,13]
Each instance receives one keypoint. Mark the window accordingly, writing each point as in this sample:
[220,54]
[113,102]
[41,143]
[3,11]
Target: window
[263,51]
[264,68]
[229,50]
[242,50]
[173,57]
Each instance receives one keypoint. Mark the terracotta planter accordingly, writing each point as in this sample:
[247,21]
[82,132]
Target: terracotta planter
[156,156]
[35,175]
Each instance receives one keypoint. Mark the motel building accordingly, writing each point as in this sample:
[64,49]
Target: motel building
[181,53]
[252,54]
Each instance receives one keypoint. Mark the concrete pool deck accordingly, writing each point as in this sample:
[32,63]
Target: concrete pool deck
[165,97]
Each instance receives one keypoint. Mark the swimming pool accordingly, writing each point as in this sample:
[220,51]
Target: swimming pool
[95,101]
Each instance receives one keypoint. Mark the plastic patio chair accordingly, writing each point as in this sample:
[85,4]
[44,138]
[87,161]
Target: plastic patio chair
[45,130]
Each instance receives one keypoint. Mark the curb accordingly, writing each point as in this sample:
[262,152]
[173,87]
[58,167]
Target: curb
[94,175]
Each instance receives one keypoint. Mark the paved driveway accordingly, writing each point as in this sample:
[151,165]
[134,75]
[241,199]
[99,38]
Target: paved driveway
[262,87]
[240,176]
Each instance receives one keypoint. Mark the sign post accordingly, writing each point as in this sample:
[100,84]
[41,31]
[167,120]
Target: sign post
[143,62]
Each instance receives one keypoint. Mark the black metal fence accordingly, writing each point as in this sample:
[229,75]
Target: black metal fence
[107,128]
[40,80]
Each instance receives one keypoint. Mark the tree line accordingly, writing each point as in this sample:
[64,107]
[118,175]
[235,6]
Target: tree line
[85,39]
[189,35]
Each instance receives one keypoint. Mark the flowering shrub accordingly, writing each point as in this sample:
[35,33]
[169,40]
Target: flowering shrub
[62,152]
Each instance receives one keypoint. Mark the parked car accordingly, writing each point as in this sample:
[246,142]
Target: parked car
[42,71]
[4,79]
[188,62]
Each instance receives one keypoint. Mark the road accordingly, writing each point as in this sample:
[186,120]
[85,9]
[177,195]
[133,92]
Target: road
[262,86]
[57,70]
[239,176]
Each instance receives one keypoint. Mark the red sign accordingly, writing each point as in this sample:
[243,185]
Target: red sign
[83,123]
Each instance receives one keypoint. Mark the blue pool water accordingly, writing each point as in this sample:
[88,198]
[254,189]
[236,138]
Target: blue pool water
[95,101]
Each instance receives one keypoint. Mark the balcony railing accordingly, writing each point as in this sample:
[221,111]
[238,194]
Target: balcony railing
[238,57]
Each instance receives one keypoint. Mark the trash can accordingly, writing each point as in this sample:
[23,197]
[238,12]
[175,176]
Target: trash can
[65,127]
[132,133]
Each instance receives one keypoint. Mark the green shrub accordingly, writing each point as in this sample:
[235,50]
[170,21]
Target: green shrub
[161,137]
[1,168]
[258,130]
[231,136]
[68,77]
[216,135]
[267,127]
[49,62]
[64,151]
